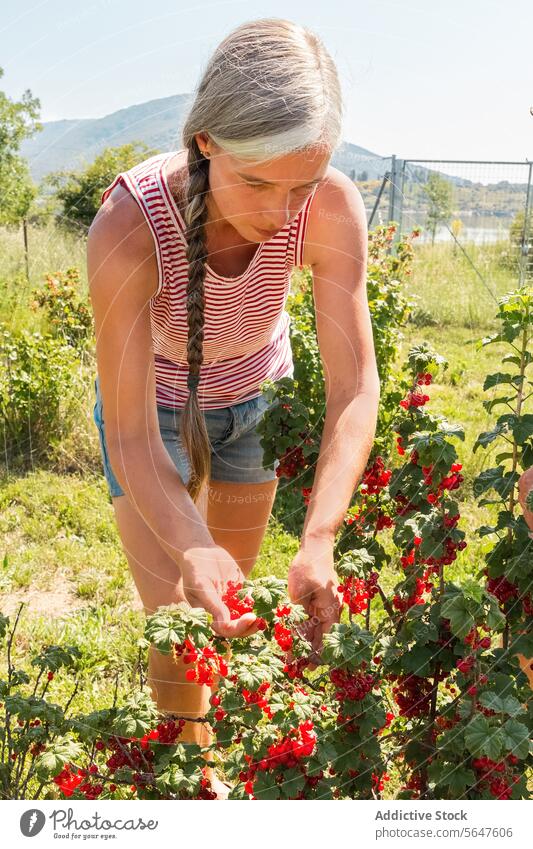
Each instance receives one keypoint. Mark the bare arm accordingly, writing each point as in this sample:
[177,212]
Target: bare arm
[337,252]
[344,334]
[122,275]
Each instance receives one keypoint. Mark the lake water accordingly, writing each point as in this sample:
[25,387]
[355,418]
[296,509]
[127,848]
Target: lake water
[478,229]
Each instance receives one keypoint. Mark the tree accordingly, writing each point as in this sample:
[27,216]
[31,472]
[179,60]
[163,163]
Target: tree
[18,120]
[79,192]
[439,193]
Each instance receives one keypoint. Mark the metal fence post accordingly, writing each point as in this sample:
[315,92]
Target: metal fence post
[400,203]
[392,187]
[527,235]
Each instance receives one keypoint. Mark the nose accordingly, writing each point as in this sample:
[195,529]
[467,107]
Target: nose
[279,217]
[278,212]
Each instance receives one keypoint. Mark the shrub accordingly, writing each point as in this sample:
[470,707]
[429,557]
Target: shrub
[37,383]
[67,311]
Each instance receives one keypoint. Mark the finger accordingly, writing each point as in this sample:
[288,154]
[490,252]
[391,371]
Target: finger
[244,626]
[316,642]
[223,625]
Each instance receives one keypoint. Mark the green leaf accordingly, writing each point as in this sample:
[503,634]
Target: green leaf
[495,618]
[501,704]
[516,738]
[503,400]
[51,762]
[496,479]
[55,657]
[523,428]
[461,620]
[483,739]
[489,436]
[496,379]
[417,660]
[455,776]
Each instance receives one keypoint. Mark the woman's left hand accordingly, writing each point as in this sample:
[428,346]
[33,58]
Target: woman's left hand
[312,582]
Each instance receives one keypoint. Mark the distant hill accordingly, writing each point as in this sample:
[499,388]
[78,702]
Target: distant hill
[71,144]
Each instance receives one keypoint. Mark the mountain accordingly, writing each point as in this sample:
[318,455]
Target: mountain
[73,144]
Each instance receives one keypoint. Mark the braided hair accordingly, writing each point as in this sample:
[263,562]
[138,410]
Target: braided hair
[270,88]
[193,426]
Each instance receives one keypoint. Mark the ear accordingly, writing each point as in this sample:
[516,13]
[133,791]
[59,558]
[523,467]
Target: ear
[205,144]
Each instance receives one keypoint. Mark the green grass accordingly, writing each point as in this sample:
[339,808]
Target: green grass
[459,289]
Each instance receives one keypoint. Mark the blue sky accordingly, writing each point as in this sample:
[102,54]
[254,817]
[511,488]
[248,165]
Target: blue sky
[434,79]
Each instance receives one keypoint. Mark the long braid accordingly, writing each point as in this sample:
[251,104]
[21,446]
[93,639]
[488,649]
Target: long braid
[193,427]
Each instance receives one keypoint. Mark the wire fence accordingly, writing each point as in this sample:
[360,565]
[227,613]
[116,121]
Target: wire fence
[462,203]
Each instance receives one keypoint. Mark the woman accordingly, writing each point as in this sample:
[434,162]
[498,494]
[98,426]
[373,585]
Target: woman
[189,261]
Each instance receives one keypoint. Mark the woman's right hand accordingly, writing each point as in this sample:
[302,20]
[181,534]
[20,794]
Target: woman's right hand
[205,572]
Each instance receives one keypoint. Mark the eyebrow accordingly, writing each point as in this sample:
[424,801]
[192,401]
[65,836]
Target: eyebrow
[250,177]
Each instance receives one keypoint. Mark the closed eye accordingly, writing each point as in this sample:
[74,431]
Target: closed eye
[302,188]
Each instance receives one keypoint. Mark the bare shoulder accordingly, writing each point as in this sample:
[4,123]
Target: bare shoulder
[120,229]
[337,219]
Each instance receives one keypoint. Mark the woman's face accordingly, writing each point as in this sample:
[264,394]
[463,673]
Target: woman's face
[259,200]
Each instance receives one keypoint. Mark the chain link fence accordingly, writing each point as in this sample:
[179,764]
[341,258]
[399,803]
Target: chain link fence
[464,203]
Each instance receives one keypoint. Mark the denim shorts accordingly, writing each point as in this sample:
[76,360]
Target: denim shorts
[236,452]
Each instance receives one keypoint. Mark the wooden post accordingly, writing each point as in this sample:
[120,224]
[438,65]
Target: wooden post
[26,257]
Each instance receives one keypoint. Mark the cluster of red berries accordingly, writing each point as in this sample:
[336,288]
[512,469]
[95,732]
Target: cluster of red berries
[451,547]
[356,592]
[399,446]
[294,669]
[298,744]
[451,521]
[527,605]
[69,778]
[236,605]
[405,506]
[351,685]
[282,634]
[412,694]
[293,459]
[205,662]
[416,597]
[378,781]
[375,478]
[306,492]
[503,589]
[466,664]
[135,752]
[414,399]
[258,697]
[491,775]
[408,559]
[414,783]
[475,641]
[383,521]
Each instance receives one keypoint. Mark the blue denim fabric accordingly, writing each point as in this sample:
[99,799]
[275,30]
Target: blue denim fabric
[236,455]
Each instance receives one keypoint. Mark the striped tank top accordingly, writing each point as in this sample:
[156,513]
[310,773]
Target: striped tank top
[246,326]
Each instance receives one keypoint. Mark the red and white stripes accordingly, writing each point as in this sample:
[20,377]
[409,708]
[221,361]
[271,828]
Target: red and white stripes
[246,329]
